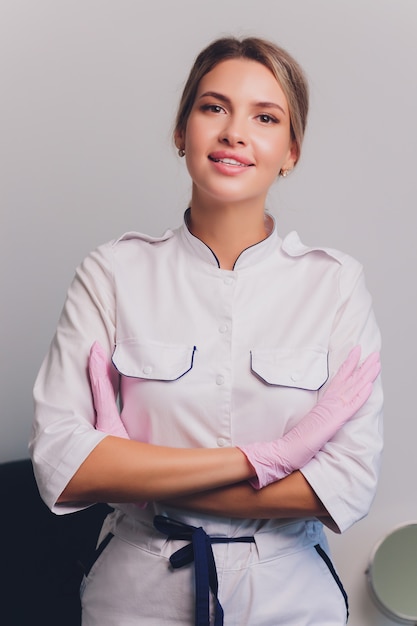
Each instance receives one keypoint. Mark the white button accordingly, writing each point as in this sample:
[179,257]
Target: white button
[228,281]
[219,380]
[147,369]
[223,328]
[295,376]
[221,442]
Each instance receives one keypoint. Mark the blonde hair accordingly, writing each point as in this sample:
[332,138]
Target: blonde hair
[286,70]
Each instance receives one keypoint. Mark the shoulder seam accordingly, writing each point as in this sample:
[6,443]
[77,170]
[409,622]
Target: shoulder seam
[293,246]
[143,237]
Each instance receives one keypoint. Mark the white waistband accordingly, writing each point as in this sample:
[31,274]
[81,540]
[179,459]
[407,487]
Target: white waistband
[272,541]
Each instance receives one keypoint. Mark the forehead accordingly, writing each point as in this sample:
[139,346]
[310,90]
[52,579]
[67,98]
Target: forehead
[243,78]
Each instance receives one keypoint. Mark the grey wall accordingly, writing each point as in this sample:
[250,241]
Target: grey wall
[88,94]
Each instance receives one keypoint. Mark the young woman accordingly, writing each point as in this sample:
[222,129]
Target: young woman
[246,420]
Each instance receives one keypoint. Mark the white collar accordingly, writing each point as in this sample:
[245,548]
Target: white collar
[248,257]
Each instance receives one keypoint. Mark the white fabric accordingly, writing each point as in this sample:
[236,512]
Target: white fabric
[211,357]
[248,351]
[279,579]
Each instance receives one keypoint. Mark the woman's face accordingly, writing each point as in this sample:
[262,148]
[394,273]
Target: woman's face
[237,137]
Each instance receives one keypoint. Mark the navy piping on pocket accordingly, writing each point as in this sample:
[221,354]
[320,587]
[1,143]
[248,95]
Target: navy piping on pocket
[88,562]
[333,572]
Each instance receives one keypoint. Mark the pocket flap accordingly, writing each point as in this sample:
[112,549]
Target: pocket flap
[305,368]
[153,361]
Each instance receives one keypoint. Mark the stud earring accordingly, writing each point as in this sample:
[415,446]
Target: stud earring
[181,152]
[284,173]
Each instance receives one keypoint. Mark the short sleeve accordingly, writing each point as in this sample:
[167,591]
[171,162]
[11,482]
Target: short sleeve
[344,473]
[63,434]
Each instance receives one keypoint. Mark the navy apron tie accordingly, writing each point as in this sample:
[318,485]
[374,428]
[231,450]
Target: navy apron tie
[200,551]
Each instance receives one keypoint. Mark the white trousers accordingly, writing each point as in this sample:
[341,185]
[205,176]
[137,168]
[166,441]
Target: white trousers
[280,579]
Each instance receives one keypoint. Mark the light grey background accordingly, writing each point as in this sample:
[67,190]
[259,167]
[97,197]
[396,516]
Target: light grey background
[88,95]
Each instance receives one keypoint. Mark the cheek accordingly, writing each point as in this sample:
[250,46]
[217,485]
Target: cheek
[201,132]
[192,142]
[195,131]
[194,147]
[274,152]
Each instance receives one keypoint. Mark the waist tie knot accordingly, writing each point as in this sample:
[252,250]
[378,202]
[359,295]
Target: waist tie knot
[200,551]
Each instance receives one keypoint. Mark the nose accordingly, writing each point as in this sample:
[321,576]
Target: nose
[233,133]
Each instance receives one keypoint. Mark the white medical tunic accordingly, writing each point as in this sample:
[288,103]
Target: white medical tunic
[207,357]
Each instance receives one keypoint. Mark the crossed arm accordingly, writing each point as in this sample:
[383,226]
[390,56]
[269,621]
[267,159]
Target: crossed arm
[203,480]
[122,470]
[290,497]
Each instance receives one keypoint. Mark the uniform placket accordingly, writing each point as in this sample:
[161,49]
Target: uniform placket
[223,377]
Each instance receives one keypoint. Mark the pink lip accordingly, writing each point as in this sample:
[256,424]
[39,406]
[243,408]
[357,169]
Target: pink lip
[221,154]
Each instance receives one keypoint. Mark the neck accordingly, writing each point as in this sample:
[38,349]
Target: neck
[228,230]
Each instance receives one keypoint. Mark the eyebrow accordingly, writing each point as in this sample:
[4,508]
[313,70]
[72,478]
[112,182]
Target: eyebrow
[226,100]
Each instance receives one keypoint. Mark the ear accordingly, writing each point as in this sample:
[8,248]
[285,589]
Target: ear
[179,139]
[293,156]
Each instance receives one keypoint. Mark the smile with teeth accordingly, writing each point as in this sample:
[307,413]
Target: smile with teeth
[229,162]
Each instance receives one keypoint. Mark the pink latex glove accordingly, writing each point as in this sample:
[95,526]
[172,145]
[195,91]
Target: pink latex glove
[108,419]
[346,393]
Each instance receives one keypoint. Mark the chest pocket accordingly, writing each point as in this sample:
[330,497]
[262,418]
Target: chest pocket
[153,361]
[304,368]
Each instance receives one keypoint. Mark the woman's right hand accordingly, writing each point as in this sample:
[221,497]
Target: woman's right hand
[108,419]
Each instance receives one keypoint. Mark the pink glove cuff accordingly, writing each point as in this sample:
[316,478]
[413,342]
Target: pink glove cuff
[259,456]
